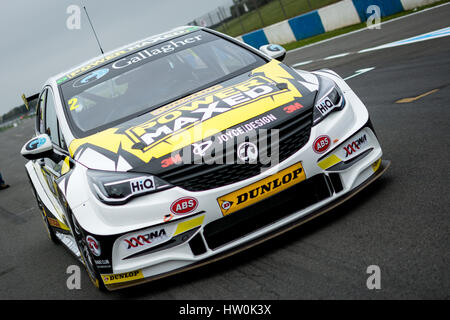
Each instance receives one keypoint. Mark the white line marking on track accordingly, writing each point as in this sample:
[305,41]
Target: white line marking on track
[444,32]
[302,63]
[360,72]
[364,29]
[337,56]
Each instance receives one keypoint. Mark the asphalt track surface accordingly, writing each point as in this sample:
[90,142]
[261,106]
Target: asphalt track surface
[399,223]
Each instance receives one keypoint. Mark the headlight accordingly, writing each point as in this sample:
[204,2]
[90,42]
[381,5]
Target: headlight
[119,187]
[329,99]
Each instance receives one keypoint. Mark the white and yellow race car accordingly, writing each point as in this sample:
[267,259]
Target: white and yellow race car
[188,146]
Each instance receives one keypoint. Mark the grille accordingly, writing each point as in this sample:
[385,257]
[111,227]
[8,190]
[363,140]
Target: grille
[293,135]
[267,211]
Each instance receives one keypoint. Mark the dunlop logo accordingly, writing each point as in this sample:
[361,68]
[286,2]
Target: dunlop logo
[262,189]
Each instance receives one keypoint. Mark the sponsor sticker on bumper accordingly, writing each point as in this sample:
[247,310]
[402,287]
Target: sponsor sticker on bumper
[348,150]
[122,277]
[262,189]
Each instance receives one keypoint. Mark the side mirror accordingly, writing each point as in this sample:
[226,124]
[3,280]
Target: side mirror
[38,147]
[274,51]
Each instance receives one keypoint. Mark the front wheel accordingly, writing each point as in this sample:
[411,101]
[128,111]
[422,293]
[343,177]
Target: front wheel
[86,256]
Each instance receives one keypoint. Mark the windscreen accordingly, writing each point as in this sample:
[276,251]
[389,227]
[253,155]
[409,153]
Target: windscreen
[149,78]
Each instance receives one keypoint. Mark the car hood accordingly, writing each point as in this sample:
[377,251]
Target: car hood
[260,99]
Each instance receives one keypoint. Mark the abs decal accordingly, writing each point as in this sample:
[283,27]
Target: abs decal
[205,116]
[321,144]
[184,206]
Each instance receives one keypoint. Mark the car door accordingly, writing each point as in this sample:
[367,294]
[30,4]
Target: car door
[52,168]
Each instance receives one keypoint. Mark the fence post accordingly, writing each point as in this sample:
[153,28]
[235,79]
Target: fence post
[259,13]
[239,18]
[210,20]
[282,9]
[222,20]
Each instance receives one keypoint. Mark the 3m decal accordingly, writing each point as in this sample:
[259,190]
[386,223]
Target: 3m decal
[293,107]
[122,277]
[171,160]
[262,189]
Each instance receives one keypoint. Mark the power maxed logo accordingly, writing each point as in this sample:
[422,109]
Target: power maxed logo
[183,122]
[262,189]
[155,131]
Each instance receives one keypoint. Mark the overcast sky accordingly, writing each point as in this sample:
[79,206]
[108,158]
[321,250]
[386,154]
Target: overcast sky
[36,44]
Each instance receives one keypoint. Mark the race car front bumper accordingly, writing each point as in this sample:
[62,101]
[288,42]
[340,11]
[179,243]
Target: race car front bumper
[132,278]
[139,244]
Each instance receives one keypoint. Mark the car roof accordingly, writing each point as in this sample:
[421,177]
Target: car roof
[128,48]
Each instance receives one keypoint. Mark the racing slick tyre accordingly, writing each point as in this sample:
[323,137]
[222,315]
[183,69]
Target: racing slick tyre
[86,255]
[51,234]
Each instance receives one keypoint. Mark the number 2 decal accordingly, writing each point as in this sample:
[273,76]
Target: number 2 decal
[73,103]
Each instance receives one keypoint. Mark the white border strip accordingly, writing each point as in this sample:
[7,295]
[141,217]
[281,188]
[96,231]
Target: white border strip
[364,29]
